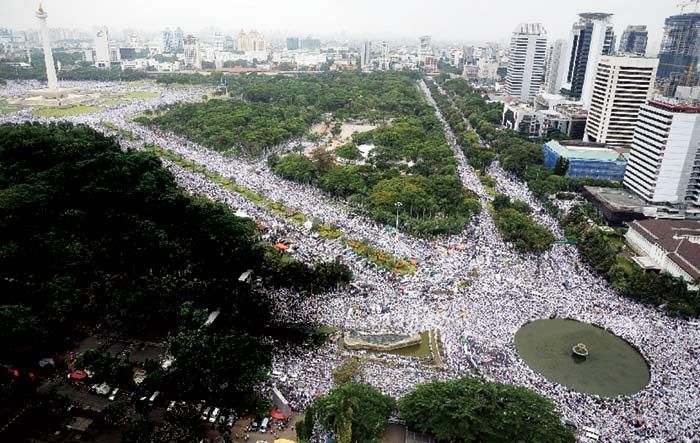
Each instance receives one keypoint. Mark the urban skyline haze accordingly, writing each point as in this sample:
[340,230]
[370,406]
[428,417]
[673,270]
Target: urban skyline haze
[445,20]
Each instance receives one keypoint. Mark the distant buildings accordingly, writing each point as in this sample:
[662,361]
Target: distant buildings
[680,52]
[586,159]
[178,42]
[251,41]
[634,40]
[591,37]
[664,166]
[622,85]
[528,50]
[293,43]
[167,40]
[193,56]
[366,55]
[102,58]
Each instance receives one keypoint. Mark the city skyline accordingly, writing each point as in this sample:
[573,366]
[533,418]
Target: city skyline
[466,21]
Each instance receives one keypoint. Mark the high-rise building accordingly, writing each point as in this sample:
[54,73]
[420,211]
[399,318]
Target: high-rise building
[178,44]
[622,86]
[193,57]
[634,40]
[425,48]
[219,41]
[251,41]
[167,40]
[590,38]
[293,43]
[528,50]
[552,82]
[102,48]
[310,43]
[679,52]
[664,165]
[366,55]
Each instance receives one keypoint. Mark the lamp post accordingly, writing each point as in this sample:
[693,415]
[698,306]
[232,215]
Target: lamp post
[398,206]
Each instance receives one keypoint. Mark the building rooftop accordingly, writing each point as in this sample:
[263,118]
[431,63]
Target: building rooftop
[587,152]
[680,239]
[617,198]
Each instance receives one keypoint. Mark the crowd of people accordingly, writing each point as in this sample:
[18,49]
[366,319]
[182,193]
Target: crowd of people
[473,288]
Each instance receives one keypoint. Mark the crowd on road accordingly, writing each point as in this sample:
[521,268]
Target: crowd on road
[473,288]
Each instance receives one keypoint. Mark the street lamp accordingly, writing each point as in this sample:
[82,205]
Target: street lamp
[398,206]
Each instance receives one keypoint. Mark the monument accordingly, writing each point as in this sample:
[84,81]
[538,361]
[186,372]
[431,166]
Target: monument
[53,95]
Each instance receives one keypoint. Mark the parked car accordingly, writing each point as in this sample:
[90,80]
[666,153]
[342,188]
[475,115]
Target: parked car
[114,394]
[205,413]
[214,415]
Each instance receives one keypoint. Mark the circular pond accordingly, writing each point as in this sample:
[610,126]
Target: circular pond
[611,367]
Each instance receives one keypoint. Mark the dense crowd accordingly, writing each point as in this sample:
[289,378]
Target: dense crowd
[472,288]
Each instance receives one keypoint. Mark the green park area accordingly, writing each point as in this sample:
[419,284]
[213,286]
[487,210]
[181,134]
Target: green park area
[65,112]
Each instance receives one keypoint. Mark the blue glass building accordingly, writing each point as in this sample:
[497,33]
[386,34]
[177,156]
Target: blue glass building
[587,160]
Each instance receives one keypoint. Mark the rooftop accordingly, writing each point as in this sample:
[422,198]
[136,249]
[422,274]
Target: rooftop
[587,152]
[680,239]
[617,198]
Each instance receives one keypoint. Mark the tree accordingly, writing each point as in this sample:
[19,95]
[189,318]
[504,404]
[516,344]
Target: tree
[349,151]
[562,166]
[348,371]
[323,159]
[217,366]
[296,167]
[354,412]
[472,410]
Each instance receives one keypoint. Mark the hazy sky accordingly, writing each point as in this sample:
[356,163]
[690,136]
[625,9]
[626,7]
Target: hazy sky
[454,20]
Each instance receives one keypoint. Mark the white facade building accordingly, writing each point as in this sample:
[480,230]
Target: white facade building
[528,50]
[553,79]
[621,86]
[662,166]
[102,57]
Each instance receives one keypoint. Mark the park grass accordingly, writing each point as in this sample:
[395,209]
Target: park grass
[141,95]
[7,109]
[65,112]
[360,247]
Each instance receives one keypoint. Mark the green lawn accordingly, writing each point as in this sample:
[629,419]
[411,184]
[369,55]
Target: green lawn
[7,109]
[141,95]
[65,112]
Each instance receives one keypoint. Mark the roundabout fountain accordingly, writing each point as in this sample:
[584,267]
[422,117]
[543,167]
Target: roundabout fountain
[582,357]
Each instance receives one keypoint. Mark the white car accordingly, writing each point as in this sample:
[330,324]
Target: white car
[214,415]
[114,394]
[205,413]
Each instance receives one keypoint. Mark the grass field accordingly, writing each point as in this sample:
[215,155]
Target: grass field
[141,95]
[6,109]
[65,112]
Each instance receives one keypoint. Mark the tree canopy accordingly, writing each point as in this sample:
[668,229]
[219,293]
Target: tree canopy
[472,410]
[91,234]
[354,412]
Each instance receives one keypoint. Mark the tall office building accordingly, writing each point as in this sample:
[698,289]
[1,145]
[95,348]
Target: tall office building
[293,43]
[664,165]
[251,41]
[366,55]
[102,48]
[634,40]
[178,44]
[310,43]
[424,48]
[552,82]
[679,53]
[526,61]
[193,56]
[590,38]
[622,86]
[167,40]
